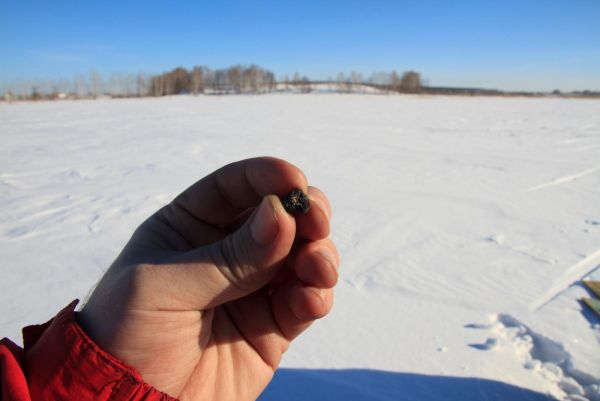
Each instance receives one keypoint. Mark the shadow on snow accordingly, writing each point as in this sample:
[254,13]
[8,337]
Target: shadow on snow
[364,384]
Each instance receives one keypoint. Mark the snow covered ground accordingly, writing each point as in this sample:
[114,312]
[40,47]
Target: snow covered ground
[465,226]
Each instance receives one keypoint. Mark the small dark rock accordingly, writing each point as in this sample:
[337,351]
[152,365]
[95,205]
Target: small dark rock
[296,202]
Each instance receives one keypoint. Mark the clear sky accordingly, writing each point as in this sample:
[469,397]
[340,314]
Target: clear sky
[531,45]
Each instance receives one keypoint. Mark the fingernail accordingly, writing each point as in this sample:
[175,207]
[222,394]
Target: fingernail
[328,256]
[319,203]
[264,227]
[319,292]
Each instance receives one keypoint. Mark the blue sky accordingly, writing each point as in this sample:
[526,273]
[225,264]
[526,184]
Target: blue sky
[531,45]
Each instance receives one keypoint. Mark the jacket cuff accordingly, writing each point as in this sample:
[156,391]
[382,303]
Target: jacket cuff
[63,363]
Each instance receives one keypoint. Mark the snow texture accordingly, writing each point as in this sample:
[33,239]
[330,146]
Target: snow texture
[465,226]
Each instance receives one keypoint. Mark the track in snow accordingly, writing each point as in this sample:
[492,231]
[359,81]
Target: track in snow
[572,275]
[563,180]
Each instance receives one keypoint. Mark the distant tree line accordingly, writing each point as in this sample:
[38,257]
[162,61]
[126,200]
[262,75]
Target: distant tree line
[253,79]
[235,79]
[387,82]
[79,87]
[232,80]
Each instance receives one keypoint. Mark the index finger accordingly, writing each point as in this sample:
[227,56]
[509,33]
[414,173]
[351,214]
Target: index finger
[222,195]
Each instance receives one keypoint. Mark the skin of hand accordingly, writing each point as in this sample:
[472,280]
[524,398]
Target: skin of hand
[210,290]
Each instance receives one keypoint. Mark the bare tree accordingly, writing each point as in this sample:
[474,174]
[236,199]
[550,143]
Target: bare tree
[221,82]
[197,81]
[286,83]
[356,79]
[181,81]
[342,83]
[251,78]
[168,84]
[95,84]
[395,81]
[296,81]
[156,86]
[305,85]
[268,78]
[80,87]
[208,76]
[115,85]
[410,82]
[130,85]
[142,89]
[234,75]
[35,93]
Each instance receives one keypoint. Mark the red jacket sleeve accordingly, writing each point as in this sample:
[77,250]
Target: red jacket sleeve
[59,362]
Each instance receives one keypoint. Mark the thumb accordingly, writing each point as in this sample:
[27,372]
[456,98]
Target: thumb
[231,268]
[250,257]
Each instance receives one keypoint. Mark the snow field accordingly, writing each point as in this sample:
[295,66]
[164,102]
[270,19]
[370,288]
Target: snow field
[464,224]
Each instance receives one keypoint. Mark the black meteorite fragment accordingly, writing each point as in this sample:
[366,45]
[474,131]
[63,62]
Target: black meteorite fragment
[296,202]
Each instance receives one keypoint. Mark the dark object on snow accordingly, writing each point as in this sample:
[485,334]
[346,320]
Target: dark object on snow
[296,202]
[593,303]
[593,285]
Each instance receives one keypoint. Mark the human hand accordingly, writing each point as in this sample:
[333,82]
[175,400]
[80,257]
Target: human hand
[210,290]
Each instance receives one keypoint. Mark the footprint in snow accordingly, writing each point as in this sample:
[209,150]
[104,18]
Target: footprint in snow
[489,344]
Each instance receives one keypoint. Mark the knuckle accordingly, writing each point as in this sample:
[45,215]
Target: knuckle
[237,263]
